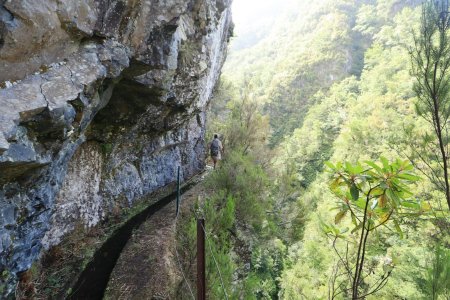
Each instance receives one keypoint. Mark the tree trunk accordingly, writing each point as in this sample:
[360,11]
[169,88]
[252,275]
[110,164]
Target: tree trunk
[439,135]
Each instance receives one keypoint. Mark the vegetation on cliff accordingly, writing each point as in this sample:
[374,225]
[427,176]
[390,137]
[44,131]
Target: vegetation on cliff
[336,85]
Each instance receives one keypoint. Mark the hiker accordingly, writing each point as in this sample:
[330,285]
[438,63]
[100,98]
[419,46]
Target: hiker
[216,149]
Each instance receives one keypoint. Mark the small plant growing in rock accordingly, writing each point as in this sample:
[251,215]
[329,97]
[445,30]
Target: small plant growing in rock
[188,49]
[106,148]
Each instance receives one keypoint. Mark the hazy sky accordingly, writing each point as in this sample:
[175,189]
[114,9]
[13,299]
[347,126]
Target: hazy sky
[244,9]
[248,12]
[254,19]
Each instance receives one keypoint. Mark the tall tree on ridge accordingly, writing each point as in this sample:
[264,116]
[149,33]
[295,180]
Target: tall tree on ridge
[430,57]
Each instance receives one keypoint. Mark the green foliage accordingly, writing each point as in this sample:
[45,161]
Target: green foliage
[374,116]
[314,47]
[438,274]
[106,148]
[318,112]
[219,214]
[431,68]
[312,144]
[246,181]
[187,52]
[240,123]
[241,174]
[300,158]
[379,191]
[4,276]
[372,195]
[267,265]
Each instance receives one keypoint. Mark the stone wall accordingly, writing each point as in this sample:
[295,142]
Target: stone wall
[100,101]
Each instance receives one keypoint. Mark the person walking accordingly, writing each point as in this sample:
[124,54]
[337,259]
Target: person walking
[216,149]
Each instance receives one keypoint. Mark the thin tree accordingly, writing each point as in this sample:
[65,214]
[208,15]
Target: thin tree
[375,197]
[430,57]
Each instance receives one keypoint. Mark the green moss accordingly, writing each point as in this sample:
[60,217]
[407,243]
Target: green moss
[35,269]
[3,278]
[43,68]
[188,50]
[5,275]
[106,148]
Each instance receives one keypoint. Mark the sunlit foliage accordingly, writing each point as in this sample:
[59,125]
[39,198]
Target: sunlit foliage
[332,81]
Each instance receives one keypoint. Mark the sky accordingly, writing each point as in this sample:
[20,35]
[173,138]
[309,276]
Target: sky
[243,10]
[252,17]
[247,12]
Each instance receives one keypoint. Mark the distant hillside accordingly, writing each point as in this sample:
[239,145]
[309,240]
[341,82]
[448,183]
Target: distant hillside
[334,77]
[309,47]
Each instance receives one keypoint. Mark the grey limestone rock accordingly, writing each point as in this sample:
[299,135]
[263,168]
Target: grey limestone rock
[100,101]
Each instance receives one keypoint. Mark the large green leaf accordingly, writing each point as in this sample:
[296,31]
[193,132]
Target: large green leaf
[354,220]
[384,217]
[385,163]
[349,168]
[361,203]
[378,191]
[359,226]
[393,197]
[410,204]
[408,176]
[325,227]
[398,229]
[358,169]
[382,201]
[354,191]
[374,165]
[335,183]
[340,215]
[330,165]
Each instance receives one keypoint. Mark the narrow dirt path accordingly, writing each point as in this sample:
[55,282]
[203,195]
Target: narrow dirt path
[147,267]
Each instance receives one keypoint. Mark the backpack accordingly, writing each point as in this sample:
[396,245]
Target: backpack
[215,147]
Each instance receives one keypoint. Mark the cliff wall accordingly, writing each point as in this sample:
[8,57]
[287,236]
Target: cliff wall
[100,101]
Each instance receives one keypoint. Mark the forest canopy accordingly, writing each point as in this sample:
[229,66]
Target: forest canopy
[326,107]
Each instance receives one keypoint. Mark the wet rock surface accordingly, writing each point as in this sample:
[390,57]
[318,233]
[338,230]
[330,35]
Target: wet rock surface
[100,101]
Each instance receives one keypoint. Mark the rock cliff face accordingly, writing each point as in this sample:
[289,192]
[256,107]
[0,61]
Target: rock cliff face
[100,101]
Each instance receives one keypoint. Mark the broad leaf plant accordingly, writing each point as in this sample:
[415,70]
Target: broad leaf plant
[372,195]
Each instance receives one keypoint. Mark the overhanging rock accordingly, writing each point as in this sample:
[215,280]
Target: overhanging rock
[100,101]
